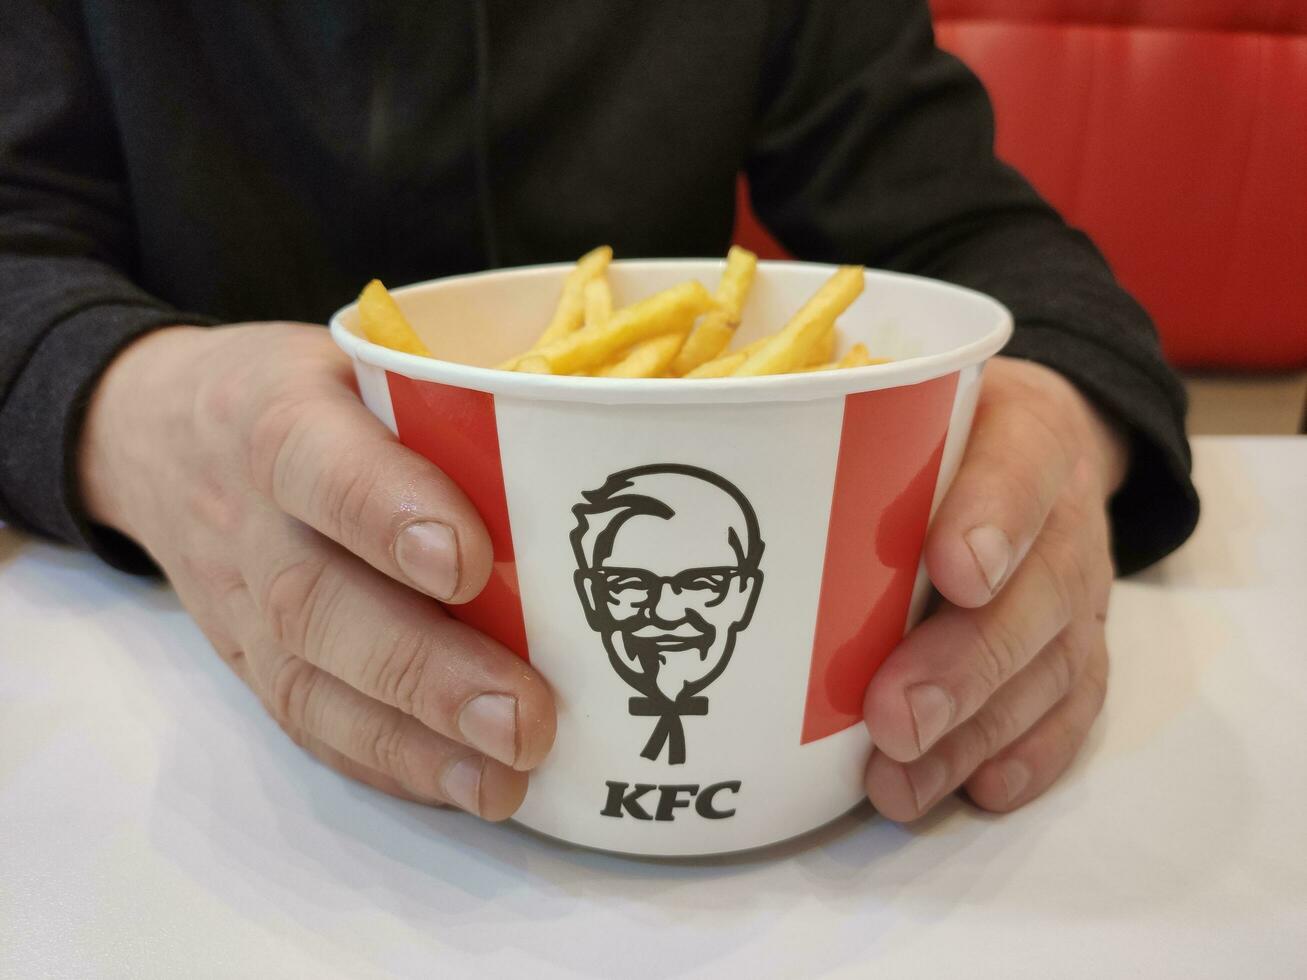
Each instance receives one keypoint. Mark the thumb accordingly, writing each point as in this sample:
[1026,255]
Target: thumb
[1016,463]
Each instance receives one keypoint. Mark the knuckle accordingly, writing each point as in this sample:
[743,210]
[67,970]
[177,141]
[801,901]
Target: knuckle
[993,728]
[1020,486]
[1046,436]
[1079,580]
[295,600]
[222,395]
[1073,726]
[217,401]
[1083,532]
[1066,738]
[1063,663]
[1051,389]
[289,693]
[386,748]
[215,574]
[998,651]
[1061,572]
[399,674]
[215,506]
[341,496]
[275,434]
[1095,680]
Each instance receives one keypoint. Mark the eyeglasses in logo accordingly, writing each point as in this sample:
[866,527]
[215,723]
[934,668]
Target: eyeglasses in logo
[667,571]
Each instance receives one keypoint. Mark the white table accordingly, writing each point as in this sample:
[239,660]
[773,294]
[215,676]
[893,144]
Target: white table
[153,822]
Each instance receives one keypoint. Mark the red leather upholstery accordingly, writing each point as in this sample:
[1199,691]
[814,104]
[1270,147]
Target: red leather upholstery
[1175,133]
[1258,16]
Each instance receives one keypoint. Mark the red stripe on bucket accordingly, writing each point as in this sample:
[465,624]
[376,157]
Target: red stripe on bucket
[455,428]
[891,444]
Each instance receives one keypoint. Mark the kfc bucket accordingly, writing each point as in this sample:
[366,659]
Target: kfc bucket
[707,572]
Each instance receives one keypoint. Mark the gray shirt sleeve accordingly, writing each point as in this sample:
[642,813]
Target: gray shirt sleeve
[67,304]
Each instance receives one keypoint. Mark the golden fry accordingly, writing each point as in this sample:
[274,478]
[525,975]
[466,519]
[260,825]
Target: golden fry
[533,364]
[647,359]
[726,363]
[823,350]
[720,368]
[384,323]
[789,348]
[598,297]
[857,356]
[712,334]
[670,311]
[707,340]
[733,290]
[570,312]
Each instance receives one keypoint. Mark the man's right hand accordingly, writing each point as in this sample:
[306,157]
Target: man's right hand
[309,545]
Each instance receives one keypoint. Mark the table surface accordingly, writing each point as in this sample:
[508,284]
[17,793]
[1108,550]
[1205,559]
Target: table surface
[153,822]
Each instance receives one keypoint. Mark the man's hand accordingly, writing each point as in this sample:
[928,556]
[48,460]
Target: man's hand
[996,691]
[301,536]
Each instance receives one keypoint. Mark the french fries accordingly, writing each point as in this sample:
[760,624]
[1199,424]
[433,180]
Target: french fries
[648,359]
[733,290]
[671,311]
[857,356]
[570,313]
[384,323]
[713,333]
[598,302]
[789,348]
[681,332]
[711,336]
[823,350]
[585,299]
[722,366]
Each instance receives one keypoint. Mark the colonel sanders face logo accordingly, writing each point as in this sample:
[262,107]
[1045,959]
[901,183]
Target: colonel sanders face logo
[667,571]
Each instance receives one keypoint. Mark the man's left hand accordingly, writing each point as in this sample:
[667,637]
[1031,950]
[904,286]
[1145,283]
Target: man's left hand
[996,691]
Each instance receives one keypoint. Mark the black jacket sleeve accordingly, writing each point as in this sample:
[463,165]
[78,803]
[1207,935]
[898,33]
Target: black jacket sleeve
[66,302]
[872,143]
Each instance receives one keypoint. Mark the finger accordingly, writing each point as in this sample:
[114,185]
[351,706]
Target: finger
[397,647]
[380,738]
[1030,765]
[948,667]
[1015,465]
[346,766]
[906,791]
[322,458]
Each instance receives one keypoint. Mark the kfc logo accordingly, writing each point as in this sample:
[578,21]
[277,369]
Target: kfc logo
[667,571]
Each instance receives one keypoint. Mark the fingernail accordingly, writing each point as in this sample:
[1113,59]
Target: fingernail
[489,723]
[932,712]
[1016,776]
[427,554]
[927,778]
[462,783]
[992,551]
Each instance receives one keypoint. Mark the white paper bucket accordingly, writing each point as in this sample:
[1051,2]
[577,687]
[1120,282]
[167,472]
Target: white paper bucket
[707,572]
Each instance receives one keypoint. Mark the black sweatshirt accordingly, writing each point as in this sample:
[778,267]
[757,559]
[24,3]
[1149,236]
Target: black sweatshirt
[262,160]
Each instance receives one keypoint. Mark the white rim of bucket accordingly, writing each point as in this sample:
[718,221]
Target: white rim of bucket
[679,391]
